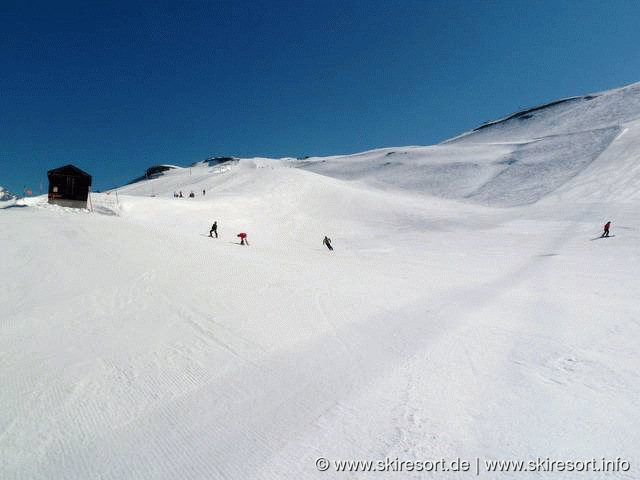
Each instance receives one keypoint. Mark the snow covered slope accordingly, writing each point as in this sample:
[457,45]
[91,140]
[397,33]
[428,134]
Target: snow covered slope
[440,329]
[513,161]
[591,112]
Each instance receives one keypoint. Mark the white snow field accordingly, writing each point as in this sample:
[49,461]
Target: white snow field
[468,314]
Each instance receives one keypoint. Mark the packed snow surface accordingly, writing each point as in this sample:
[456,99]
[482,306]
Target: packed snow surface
[469,313]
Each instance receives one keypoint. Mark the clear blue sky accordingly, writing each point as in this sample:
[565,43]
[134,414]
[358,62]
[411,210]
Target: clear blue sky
[116,86]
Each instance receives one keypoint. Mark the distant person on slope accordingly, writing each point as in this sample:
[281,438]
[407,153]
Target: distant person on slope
[214,229]
[243,239]
[327,242]
[607,226]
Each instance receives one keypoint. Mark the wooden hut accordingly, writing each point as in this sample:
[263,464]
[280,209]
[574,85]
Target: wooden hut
[69,186]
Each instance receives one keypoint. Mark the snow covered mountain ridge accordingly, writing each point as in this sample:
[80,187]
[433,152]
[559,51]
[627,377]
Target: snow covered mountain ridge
[609,109]
[558,148]
[517,160]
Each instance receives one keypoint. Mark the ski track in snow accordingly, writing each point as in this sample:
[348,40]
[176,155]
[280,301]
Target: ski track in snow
[132,346]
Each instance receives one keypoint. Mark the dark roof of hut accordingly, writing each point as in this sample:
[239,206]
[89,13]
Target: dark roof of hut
[71,170]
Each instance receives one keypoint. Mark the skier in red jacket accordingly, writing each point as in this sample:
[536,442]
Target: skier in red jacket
[243,239]
[606,229]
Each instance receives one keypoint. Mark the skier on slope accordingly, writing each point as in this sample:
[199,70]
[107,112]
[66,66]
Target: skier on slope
[327,242]
[605,233]
[243,239]
[214,229]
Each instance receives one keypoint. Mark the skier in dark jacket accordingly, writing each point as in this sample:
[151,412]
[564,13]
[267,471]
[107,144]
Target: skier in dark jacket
[606,229]
[327,242]
[214,229]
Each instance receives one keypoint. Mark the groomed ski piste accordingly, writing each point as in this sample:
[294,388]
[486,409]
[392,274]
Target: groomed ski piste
[469,313]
